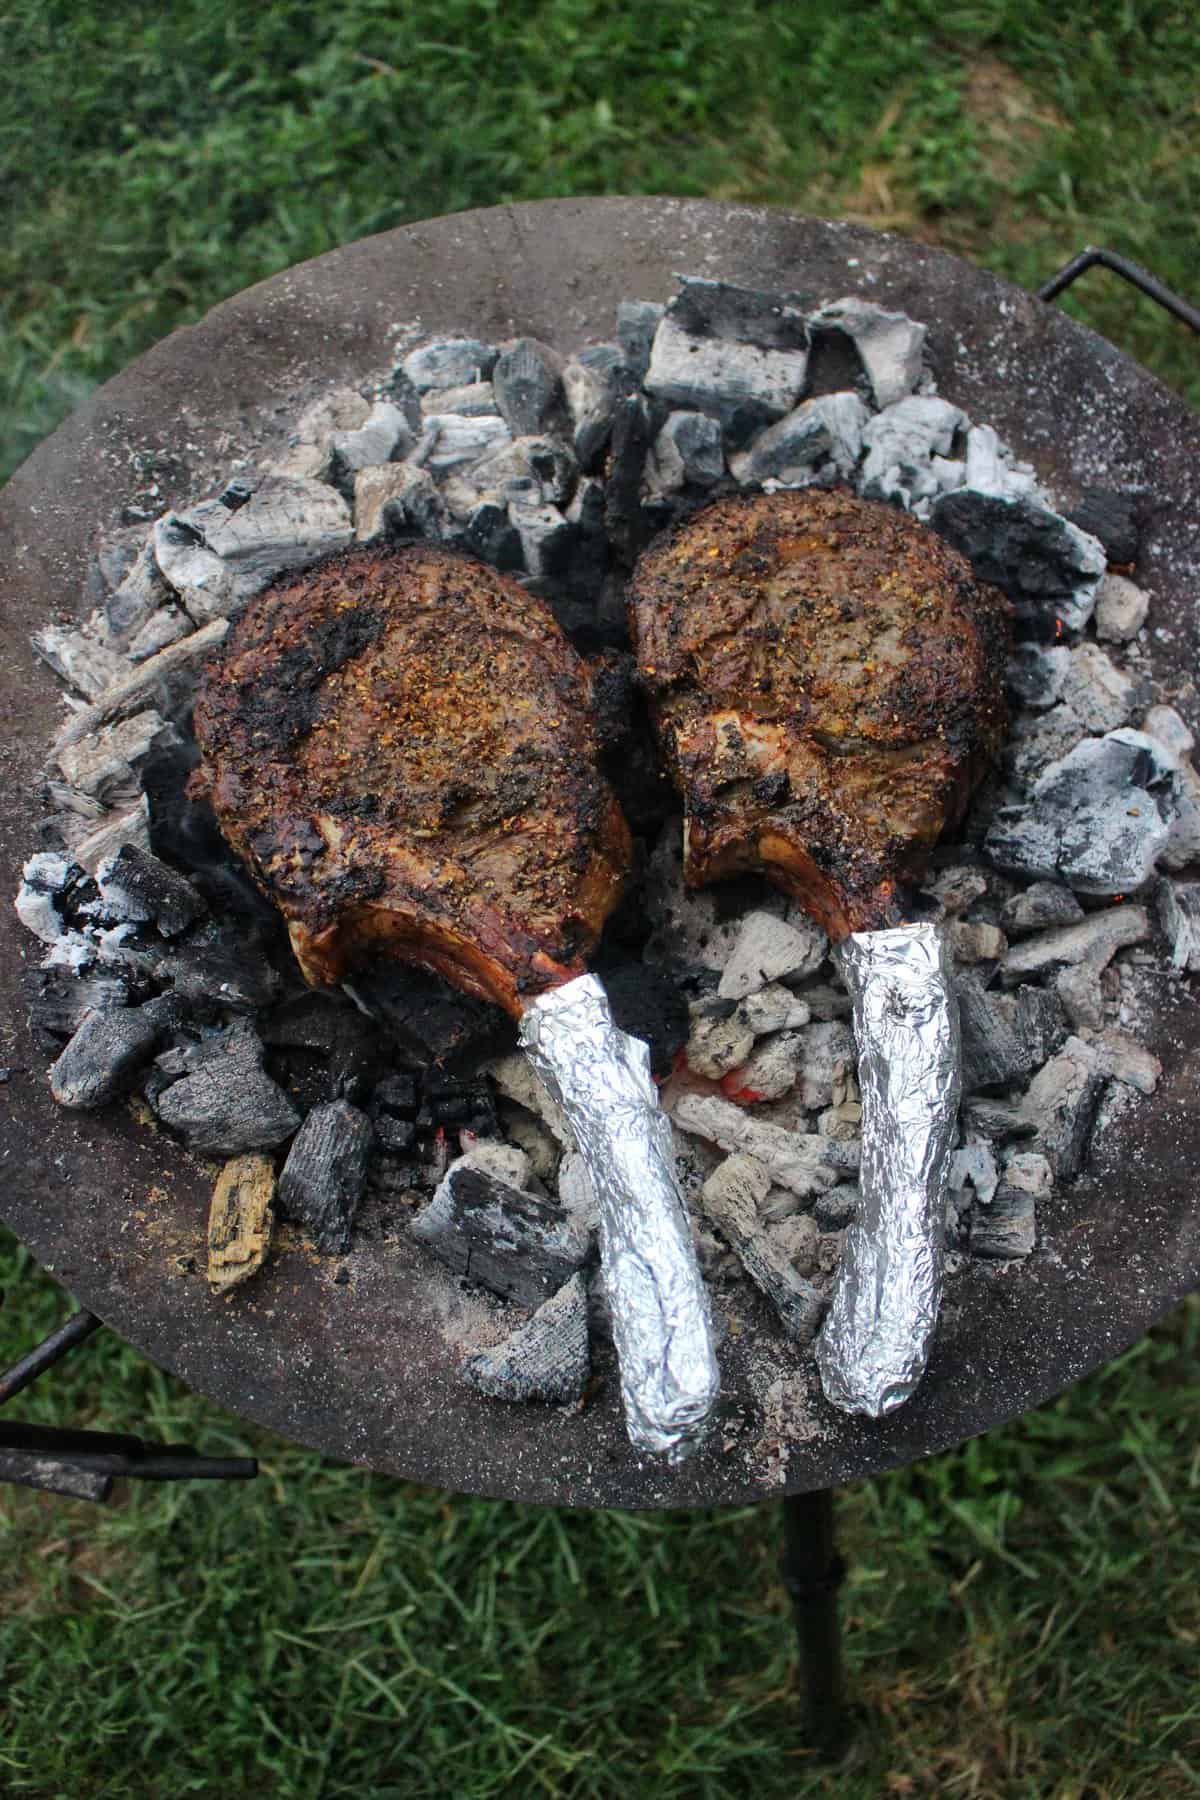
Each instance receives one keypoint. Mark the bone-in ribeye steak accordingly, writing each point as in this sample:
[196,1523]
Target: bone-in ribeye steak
[827,679]
[400,744]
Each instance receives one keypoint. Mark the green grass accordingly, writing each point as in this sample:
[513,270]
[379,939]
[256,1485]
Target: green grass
[1022,1614]
[1022,1617]
[160,158]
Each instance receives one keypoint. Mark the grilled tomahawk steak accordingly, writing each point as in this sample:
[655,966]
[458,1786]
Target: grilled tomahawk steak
[400,745]
[827,677]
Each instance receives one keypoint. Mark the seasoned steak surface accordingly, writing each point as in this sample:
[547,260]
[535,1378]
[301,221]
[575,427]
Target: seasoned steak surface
[827,678]
[400,745]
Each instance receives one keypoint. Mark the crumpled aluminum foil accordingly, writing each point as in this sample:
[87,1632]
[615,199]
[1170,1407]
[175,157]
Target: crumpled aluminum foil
[661,1327]
[874,1345]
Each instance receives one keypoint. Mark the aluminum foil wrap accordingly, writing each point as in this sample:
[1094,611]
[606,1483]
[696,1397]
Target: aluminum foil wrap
[874,1344]
[601,1078]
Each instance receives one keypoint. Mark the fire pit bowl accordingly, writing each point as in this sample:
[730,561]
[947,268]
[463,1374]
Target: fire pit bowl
[359,1366]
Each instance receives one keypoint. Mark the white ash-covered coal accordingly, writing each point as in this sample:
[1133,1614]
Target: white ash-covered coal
[171,982]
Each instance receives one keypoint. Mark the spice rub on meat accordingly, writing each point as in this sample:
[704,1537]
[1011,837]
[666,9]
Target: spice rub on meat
[401,747]
[826,676]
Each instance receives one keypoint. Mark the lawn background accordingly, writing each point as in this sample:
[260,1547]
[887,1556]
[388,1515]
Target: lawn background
[1022,1614]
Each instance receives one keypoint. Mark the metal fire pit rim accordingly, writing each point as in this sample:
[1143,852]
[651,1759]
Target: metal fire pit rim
[299,1353]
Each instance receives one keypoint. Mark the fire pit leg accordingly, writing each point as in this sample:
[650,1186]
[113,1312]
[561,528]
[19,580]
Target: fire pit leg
[812,1573]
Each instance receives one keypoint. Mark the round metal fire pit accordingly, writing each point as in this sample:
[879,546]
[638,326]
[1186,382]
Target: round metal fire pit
[362,1369]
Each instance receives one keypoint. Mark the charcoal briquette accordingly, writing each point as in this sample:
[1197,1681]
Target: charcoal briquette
[322,1181]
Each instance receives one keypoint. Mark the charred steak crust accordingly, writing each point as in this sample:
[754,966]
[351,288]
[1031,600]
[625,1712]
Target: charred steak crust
[401,746]
[827,680]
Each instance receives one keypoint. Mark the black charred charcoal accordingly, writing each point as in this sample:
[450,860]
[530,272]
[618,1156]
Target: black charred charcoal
[322,1181]
[135,885]
[647,1006]
[392,1134]
[717,309]
[396,1095]
[57,1002]
[305,1077]
[220,967]
[994,1054]
[997,1120]
[637,322]
[220,1098]
[613,697]
[491,535]
[426,1019]
[185,834]
[545,1359]
[105,1054]
[1007,1228]
[1041,1023]
[318,1021]
[528,386]
[624,517]
[333,1028]
[517,1244]
[1112,517]
[458,1105]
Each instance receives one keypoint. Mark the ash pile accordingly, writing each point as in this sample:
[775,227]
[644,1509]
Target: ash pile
[398,1106]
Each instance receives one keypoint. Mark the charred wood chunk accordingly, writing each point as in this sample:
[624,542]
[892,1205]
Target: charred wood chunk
[448,363]
[1061,1103]
[140,594]
[1007,1227]
[637,322]
[393,1134]
[492,535]
[59,1003]
[730,1198]
[1112,517]
[239,1221]
[1094,942]
[221,966]
[136,885]
[545,1359]
[220,1098]
[396,1095]
[996,1120]
[427,1019]
[1179,912]
[458,1105]
[332,1028]
[1040,1023]
[103,1057]
[629,446]
[80,659]
[1043,904]
[516,1244]
[768,948]
[527,384]
[1048,567]
[993,1053]
[687,452]
[593,382]
[323,1179]
[41,901]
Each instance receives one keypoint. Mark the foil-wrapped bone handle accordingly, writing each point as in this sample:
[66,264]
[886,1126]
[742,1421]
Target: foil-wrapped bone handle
[874,1345]
[661,1327]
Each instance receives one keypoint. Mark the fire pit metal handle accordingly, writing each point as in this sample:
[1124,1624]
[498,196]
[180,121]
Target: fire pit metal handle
[1132,272]
[82,1464]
